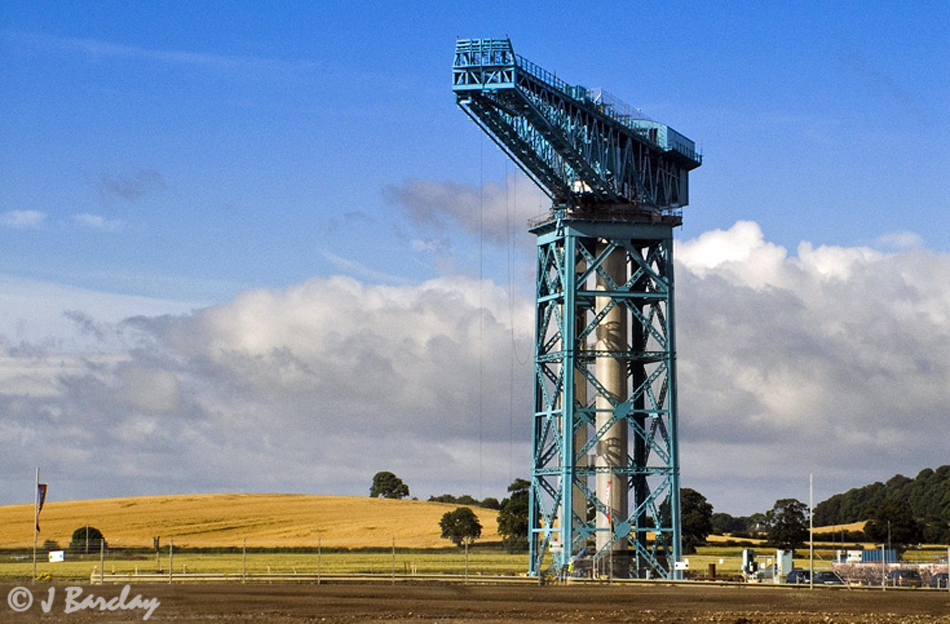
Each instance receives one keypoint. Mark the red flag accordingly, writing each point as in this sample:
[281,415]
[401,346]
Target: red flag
[41,498]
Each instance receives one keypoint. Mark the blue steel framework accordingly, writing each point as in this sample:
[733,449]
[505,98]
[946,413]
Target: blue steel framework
[605,472]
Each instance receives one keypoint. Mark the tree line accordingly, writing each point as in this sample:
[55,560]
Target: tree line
[916,510]
[900,512]
[461,526]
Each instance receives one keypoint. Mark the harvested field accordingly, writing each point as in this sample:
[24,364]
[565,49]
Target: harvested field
[641,603]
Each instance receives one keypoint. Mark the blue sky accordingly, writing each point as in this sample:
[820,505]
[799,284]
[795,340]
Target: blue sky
[248,141]
[181,166]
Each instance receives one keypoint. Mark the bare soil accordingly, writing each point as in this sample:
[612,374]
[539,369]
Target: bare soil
[465,604]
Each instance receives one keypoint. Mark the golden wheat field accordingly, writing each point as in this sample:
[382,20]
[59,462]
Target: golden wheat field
[265,520]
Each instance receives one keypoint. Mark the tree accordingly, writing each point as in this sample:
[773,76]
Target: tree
[723,523]
[893,522]
[928,495]
[388,485]
[513,516]
[444,498]
[787,523]
[695,518]
[461,526]
[935,531]
[466,499]
[490,503]
[87,540]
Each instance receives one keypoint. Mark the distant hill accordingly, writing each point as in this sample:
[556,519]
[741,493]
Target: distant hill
[928,495]
[266,520]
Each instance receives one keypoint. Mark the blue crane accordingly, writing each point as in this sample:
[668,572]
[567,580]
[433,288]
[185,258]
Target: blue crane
[583,147]
[604,495]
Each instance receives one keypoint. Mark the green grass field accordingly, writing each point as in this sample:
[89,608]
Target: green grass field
[487,561]
[449,561]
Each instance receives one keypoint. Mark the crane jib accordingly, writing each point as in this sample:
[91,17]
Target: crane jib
[586,149]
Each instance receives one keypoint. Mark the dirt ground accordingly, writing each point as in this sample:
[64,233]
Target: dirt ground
[352,604]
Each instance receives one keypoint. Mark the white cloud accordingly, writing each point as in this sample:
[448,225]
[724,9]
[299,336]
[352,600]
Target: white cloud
[99,50]
[901,240]
[741,247]
[310,389]
[834,361]
[22,219]
[359,270]
[96,222]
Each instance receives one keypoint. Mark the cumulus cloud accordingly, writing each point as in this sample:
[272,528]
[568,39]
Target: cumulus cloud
[310,389]
[832,360]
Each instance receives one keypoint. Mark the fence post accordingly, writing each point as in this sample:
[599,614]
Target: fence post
[171,560]
[244,564]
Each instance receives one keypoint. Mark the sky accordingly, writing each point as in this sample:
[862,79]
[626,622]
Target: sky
[256,247]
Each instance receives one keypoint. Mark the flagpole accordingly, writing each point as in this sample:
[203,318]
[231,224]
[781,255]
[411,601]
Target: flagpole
[811,530]
[36,504]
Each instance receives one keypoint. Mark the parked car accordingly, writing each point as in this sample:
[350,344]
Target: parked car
[828,577]
[800,576]
[904,578]
[939,580]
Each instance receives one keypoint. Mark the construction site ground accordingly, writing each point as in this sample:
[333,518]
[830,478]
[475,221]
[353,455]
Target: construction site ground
[463,604]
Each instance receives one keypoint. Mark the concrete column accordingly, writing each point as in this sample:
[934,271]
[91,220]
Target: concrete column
[580,397]
[611,372]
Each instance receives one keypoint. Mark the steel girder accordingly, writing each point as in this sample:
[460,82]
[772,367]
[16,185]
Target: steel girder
[574,408]
[586,154]
[604,408]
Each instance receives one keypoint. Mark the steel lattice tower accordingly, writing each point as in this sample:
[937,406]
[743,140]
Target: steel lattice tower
[605,469]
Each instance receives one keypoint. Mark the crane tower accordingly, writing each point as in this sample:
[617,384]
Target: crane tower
[605,467]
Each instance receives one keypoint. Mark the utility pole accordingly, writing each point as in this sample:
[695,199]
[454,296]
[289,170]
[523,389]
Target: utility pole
[36,527]
[811,530]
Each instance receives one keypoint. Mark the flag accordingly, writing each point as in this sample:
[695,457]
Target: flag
[40,499]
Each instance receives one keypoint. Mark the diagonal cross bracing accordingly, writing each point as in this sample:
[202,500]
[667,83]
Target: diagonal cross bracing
[605,475]
[584,411]
[582,147]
